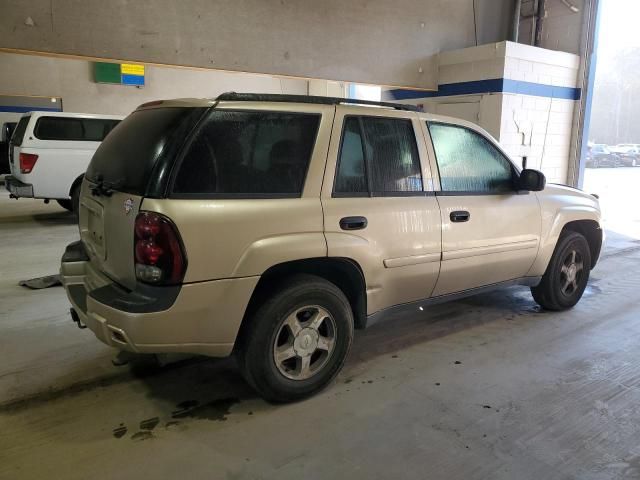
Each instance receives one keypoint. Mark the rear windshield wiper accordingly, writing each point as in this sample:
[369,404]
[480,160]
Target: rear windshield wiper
[104,189]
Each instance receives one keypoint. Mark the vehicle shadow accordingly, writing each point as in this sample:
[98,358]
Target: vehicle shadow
[57,218]
[43,219]
[206,388]
[436,321]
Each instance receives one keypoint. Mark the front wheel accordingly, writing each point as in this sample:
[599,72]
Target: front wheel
[297,341]
[566,277]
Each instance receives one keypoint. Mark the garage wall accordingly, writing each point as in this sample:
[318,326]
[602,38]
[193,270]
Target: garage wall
[13,106]
[73,81]
[329,39]
[562,28]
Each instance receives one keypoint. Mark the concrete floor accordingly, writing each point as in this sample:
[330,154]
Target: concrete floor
[485,388]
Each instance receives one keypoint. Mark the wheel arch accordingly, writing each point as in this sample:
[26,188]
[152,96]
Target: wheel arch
[76,183]
[591,230]
[345,273]
[582,219]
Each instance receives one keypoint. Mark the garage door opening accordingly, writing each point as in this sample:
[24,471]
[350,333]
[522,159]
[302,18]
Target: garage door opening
[613,154]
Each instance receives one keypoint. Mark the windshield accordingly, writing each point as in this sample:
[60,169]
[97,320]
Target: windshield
[126,158]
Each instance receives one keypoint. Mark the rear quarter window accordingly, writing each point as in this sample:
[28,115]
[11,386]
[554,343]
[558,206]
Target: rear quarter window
[245,154]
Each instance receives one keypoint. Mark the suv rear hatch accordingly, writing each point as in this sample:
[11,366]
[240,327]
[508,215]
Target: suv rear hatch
[134,161]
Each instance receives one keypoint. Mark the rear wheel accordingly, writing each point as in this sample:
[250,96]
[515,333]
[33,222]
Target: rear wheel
[66,204]
[75,199]
[297,341]
[566,277]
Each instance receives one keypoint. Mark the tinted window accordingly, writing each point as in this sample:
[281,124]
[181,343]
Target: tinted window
[351,175]
[127,157]
[7,131]
[18,134]
[387,148]
[468,162]
[75,129]
[249,154]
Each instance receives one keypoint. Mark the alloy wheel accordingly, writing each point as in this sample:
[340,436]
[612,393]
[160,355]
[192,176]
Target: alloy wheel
[571,273]
[304,342]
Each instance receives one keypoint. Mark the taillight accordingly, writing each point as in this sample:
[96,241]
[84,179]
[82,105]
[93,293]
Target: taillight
[158,251]
[27,162]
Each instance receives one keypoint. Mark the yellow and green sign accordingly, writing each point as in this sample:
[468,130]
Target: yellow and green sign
[119,73]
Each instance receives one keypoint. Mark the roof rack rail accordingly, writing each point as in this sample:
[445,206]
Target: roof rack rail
[275,97]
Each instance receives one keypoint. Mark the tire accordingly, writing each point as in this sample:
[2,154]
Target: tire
[557,291]
[300,303]
[67,204]
[75,199]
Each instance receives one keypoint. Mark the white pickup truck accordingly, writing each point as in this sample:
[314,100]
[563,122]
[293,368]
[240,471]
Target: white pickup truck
[50,151]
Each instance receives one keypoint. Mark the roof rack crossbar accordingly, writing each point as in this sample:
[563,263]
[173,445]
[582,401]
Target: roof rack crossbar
[274,97]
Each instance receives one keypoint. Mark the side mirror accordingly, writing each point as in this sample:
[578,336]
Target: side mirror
[531,180]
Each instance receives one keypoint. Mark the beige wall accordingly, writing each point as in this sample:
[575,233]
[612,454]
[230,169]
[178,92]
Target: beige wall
[73,81]
[366,41]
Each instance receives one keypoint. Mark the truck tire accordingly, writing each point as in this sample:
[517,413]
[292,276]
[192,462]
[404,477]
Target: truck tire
[66,204]
[75,199]
[297,340]
[567,275]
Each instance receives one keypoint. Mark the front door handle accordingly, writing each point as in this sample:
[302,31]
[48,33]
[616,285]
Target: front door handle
[353,223]
[460,216]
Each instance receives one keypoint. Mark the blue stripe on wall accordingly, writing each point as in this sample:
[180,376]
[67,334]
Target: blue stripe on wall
[132,79]
[16,109]
[540,90]
[496,85]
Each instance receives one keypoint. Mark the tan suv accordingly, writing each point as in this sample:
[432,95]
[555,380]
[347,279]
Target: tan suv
[271,226]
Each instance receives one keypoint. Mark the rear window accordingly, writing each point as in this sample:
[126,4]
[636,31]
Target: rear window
[73,129]
[129,154]
[18,134]
[242,154]
[378,157]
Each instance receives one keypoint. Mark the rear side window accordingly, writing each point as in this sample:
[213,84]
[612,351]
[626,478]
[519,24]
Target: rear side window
[378,156]
[127,157]
[18,134]
[73,129]
[238,154]
[468,162]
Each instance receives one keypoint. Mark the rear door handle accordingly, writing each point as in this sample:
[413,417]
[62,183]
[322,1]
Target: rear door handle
[460,216]
[353,223]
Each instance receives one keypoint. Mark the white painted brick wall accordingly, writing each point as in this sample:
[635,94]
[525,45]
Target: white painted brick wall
[547,126]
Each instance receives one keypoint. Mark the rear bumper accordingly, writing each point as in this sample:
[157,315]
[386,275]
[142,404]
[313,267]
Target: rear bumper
[201,318]
[18,188]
